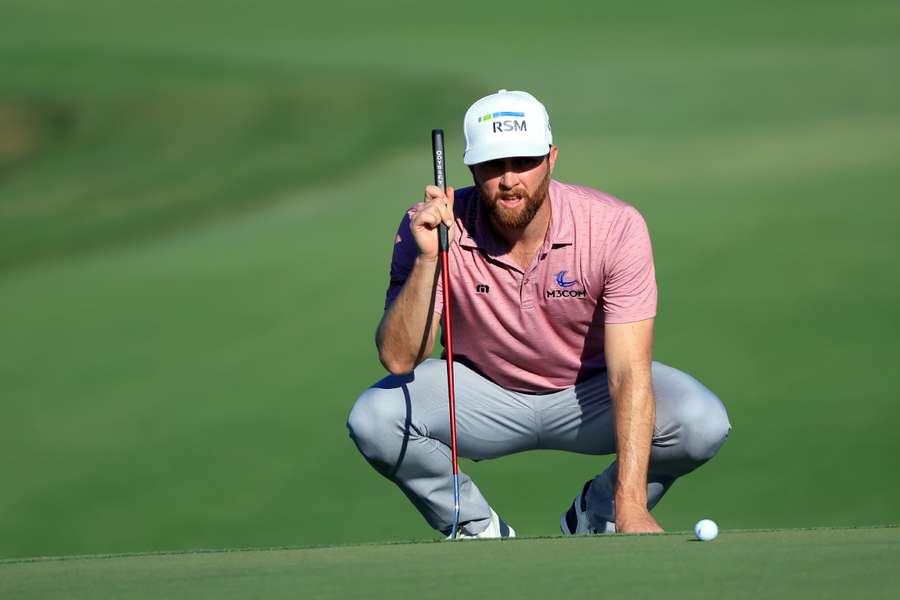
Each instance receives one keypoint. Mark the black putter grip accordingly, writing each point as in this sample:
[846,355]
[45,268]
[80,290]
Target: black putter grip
[440,180]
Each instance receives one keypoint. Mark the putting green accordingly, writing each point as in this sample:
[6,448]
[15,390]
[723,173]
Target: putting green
[819,563]
[197,206]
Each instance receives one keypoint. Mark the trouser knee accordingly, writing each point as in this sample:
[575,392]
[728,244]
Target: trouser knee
[704,425]
[691,422]
[376,424]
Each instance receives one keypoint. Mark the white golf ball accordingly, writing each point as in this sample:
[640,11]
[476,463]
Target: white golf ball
[706,530]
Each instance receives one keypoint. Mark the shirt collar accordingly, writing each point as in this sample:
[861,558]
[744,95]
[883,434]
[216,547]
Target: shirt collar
[562,225]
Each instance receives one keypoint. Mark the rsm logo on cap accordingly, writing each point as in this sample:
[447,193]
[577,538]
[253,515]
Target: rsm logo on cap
[506,124]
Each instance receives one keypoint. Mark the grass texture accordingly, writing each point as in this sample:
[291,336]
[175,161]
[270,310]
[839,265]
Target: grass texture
[197,207]
[820,564]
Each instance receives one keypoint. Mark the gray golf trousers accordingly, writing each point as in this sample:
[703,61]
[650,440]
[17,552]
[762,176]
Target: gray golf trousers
[401,426]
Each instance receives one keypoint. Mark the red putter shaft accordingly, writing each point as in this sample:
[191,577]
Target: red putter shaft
[448,329]
[440,180]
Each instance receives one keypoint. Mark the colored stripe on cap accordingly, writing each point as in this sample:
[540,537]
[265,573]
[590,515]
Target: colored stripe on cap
[505,113]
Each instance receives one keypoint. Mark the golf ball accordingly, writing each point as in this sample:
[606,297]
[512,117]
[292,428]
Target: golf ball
[706,530]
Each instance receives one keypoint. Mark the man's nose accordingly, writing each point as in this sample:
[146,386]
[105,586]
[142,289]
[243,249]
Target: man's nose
[509,177]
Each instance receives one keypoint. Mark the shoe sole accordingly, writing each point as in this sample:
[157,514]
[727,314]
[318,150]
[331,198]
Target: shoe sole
[570,519]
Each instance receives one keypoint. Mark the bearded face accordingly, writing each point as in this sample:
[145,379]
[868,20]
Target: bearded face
[513,208]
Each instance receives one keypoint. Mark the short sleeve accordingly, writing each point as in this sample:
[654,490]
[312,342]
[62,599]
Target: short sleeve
[402,261]
[629,290]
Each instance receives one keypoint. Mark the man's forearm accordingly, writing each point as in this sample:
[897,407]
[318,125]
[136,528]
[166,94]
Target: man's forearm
[635,414]
[404,334]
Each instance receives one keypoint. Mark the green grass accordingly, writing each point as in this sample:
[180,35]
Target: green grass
[184,146]
[824,563]
[196,215]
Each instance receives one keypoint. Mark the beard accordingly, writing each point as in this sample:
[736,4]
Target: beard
[518,218]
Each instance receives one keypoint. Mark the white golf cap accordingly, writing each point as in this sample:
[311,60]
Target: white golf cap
[506,124]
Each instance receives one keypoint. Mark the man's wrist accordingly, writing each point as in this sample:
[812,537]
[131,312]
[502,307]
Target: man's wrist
[426,260]
[631,499]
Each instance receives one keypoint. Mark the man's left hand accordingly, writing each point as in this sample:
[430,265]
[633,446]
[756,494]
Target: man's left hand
[636,520]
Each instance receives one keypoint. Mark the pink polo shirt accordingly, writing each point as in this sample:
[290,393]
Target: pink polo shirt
[542,329]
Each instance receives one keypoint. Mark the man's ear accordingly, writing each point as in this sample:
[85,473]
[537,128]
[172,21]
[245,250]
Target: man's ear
[554,152]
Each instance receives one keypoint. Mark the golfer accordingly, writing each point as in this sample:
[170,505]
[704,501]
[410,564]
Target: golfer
[553,299]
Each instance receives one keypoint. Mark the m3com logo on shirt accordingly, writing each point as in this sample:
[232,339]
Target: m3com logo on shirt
[565,292]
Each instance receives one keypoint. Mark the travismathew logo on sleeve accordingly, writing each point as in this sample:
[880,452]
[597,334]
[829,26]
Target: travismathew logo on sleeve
[565,292]
[482,288]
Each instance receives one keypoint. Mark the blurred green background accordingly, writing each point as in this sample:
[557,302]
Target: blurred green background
[197,207]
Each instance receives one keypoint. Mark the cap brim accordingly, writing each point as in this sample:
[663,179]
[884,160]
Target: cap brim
[505,150]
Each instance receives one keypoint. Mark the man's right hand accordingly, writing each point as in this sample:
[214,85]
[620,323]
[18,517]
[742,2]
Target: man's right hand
[437,208]
[636,520]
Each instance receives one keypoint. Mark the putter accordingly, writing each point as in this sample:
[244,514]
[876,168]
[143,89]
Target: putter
[440,180]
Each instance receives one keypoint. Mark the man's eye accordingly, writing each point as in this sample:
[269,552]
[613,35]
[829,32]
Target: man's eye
[526,163]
